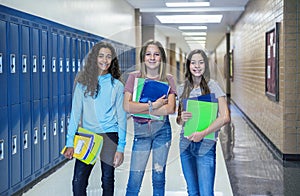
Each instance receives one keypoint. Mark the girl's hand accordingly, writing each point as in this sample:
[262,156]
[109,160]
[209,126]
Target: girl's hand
[185,116]
[197,136]
[69,153]
[160,102]
[118,159]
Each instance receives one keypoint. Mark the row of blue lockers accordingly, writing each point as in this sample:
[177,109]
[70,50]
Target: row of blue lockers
[39,60]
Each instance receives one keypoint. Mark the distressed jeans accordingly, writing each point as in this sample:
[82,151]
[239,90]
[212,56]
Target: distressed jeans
[154,136]
[198,161]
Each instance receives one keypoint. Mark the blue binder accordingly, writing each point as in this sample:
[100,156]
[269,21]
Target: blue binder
[152,90]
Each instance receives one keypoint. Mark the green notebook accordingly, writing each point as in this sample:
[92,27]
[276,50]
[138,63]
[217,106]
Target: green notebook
[203,114]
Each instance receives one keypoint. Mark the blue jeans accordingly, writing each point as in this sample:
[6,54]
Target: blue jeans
[155,136]
[198,161]
[82,171]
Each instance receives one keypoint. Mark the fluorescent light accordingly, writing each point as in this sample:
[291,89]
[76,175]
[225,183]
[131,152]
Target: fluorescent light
[194,38]
[192,27]
[187,4]
[194,33]
[196,42]
[189,18]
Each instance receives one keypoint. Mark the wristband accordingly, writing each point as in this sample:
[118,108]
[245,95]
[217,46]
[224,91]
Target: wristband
[150,106]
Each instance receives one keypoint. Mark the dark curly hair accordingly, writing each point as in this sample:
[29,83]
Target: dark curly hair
[89,75]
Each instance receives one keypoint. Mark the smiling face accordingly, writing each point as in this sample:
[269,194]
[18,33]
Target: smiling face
[104,59]
[152,57]
[197,65]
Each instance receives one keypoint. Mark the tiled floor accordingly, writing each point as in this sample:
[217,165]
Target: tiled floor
[245,166]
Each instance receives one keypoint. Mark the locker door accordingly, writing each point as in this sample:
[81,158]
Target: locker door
[54,127]
[14,65]
[54,65]
[74,61]
[36,135]
[35,69]
[4,153]
[26,139]
[61,119]
[15,143]
[45,132]
[79,56]
[25,62]
[3,66]
[68,70]
[44,66]
[61,65]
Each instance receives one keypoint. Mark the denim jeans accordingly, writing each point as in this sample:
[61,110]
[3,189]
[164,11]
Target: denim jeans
[82,171]
[155,136]
[198,161]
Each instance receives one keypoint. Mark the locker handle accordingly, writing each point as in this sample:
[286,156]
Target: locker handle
[14,144]
[1,149]
[43,64]
[44,132]
[67,65]
[54,128]
[53,64]
[35,137]
[34,66]
[1,67]
[25,140]
[12,63]
[24,64]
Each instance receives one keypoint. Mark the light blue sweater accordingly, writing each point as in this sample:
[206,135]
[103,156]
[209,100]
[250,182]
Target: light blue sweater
[103,114]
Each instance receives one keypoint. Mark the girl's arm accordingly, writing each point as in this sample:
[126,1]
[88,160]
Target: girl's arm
[166,108]
[142,108]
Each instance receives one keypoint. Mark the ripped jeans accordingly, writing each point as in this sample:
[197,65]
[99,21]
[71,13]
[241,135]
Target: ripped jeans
[155,136]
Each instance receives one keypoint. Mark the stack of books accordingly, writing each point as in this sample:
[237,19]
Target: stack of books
[87,146]
[149,90]
[204,111]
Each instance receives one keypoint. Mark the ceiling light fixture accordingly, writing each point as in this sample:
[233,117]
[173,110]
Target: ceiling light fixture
[194,33]
[194,38]
[192,27]
[190,18]
[187,4]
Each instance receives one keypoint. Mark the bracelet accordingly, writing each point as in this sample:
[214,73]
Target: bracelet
[150,106]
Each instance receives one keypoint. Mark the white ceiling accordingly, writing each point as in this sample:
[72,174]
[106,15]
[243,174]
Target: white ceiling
[230,9]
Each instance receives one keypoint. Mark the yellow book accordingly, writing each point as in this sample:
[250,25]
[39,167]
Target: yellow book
[87,146]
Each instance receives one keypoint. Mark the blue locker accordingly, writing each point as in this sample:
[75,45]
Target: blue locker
[26,140]
[68,70]
[74,58]
[14,65]
[45,133]
[15,143]
[4,153]
[44,65]
[83,50]
[25,72]
[79,56]
[61,119]
[54,127]
[35,69]
[54,65]
[36,135]
[3,65]
[61,65]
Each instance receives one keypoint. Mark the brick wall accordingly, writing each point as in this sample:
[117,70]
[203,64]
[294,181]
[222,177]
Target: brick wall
[279,121]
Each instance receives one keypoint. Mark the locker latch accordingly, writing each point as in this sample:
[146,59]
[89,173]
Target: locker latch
[12,63]
[79,65]
[25,140]
[14,144]
[67,65]
[54,128]
[34,64]
[1,65]
[53,64]
[73,65]
[60,65]
[44,132]
[62,125]
[24,63]
[43,64]
[1,149]
[35,136]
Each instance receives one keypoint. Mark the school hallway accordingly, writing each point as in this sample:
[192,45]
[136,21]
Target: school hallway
[252,169]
